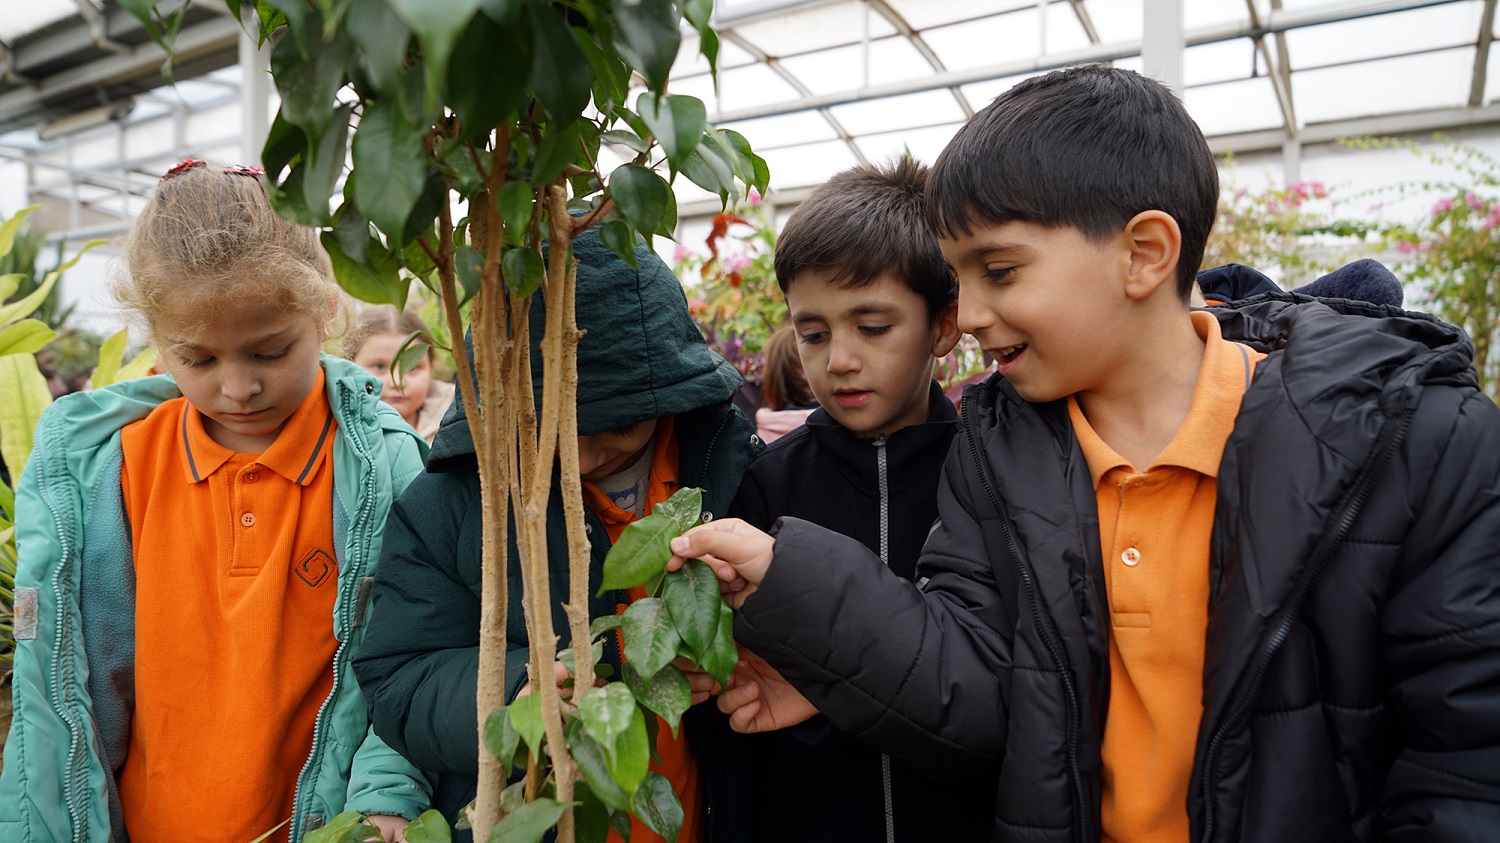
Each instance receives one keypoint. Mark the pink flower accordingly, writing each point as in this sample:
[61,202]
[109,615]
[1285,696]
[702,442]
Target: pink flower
[1489,222]
[753,198]
[1443,205]
[1471,199]
[681,253]
[735,263]
[1406,248]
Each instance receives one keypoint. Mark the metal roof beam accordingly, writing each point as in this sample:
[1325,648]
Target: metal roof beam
[1407,123]
[1084,20]
[1281,21]
[1482,54]
[905,29]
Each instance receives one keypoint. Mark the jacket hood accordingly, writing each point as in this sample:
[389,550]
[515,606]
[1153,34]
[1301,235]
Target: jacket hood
[641,357]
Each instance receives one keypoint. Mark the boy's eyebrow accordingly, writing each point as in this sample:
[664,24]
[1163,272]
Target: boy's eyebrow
[875,308]
[250,344]
[990,250]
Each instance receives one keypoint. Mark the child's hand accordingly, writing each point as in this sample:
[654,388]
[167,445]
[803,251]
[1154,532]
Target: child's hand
[392,828]
[702,685]
[561,675]
[738,553]
[759,699]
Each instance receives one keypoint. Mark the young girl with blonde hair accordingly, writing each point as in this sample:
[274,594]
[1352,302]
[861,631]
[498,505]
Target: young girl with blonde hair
[196,551]
[375,343]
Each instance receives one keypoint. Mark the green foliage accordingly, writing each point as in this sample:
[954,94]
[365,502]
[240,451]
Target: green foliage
[1276,230]
[732,289]
[1454,248]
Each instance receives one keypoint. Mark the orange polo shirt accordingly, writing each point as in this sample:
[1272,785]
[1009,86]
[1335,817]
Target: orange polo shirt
[678,763]
[235,586]
[1154,528]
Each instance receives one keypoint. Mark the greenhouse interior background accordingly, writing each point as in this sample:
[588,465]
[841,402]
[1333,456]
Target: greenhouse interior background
[1284,89]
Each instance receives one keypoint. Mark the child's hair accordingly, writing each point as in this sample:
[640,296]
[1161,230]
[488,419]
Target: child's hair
[377,320]
[208,237]
[784,382]
[1087,147]
[864,223]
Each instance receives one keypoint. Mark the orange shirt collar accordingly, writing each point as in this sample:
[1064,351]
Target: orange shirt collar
[1198,445]
[295,455]
[663,482]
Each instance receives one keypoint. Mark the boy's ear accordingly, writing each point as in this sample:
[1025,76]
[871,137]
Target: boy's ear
[1155,244]
[945,332]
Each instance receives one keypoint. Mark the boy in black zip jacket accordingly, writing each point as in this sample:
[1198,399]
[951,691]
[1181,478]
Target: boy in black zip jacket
[1212,575]
[872,304]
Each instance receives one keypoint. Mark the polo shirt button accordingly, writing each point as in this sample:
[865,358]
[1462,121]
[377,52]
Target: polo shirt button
[248,519]
[251,477]
[1131,557]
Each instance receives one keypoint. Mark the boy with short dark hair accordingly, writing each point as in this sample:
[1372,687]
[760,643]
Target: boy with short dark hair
[1227,575]
[872,306]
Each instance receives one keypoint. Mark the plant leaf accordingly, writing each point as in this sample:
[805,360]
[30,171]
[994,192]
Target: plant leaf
[468,262]
[623,137]
[558,149]
[591,759]
[526,718]
[603,624]
[620,239]
[692,596]
[685,506]
[500,737]
[488,75]
[630,756]
[721,657]
[641,195]
[760,174]
[378,281]
[668,693]
[708,169]
[641,553]
[25,337]
[650,638]
[9,228]
[111,354]
[530,822]
[438,27]
[605,712]
[309,82]
[390,167]
[523,270]
[380,39]
[514,202]
[430,827]
[657,806]
[559,71]
[676,121]
[26,306]
[138,367]
[26,396]
[646,34]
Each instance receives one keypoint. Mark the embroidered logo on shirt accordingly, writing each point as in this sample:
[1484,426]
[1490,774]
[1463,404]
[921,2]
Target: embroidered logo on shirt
[314,568]
[25,613]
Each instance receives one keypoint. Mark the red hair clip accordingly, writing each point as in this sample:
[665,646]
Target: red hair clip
[179,169]
[242,170]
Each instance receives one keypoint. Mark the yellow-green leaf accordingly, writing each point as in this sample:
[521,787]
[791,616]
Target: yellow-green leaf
[9,228]
[25,337]
[111,355]
[26,395]
[138,367]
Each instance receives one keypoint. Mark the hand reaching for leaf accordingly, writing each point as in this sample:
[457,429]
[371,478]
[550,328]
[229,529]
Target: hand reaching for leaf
[392,828]
[738,553]
[561,674]
[700,683]
[759,699]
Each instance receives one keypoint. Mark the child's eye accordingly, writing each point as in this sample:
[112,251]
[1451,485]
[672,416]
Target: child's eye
[874,330]
[196,362]
[813,337]
[999,274]
[276,355]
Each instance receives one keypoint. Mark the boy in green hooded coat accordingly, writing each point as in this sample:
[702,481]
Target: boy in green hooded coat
[654,414]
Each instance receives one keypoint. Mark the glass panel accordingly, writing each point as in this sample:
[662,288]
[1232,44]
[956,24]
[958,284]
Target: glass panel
[793,129]
[22,19]
[1241,106]
[752,86]
[1201,13]
[1221,62]
[1116,20]
[690,62]
[817,28]
[1064,31]
[981,93]
[925,14]
[801,166]
[1409,83]
[925,144]
[843,68]
[1383,35]
[1008,37]
[1492,77]
[925,109]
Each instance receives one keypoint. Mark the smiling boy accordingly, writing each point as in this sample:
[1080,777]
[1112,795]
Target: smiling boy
[1223,575]
[872,304]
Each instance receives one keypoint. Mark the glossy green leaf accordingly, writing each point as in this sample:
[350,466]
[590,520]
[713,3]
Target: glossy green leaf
[753,165]
[721,657]
[138,367]
[381,40]
[698,12]
[646,34]
[8,502]
[707,168]
[111,355]
[523,270]
[25,337]
[288,199]
[630,755]
[642,552]
[459,167]
[26,306]
[377,281]
[528,823]
[590,817]
[513,796]
[309,84]
[708,45]
[514,201]
[390,167]
[566,656]
[590,757]
[413,349]
[488,75]
[10,283]
[559,71]
[468,263]
[526,719]
[501,11]
[294,12]
[352,230]
[606,711]
[9,228]
[641,195]
[620,238]
[650,639]
[438,27]
[611,76]
[500,737]
[285,143]
[626,138]
[669,217]
[685,506]
[429,204]
[676,121]
[600,625]
[692,596]
[430,827]
[325,163]
[559,148]
[667,693]
[657,806]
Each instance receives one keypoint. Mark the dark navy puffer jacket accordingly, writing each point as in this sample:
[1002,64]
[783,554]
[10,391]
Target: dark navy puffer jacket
[1351,688]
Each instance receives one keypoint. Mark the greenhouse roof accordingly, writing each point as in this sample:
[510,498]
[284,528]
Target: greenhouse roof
[816,85]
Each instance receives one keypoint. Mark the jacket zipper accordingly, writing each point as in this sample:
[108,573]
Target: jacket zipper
[1373,469]
[343,626]
[1081,824]
[63,708]
[882,468]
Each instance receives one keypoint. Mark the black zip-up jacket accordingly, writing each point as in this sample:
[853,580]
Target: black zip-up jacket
[817,784]
[1351,683]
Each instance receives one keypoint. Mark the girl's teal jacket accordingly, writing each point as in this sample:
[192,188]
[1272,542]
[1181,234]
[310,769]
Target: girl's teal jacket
[74,686]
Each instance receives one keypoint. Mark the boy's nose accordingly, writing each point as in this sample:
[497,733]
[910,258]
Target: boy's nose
[972,315]
[239,387]
[841,357]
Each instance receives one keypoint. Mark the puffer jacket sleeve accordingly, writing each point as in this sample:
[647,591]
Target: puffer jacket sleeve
[916,673]
[1442,628]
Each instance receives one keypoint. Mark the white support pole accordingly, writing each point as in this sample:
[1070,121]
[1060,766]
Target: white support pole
[255,92]
[1162,42]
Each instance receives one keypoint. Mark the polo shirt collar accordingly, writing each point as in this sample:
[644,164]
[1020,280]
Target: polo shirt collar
[1198,445]
[295,455]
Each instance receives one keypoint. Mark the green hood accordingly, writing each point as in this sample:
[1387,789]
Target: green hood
[642,356]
